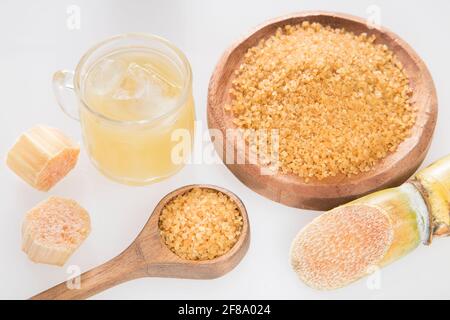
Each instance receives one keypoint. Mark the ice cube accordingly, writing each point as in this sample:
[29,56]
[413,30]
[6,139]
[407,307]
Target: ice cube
[144,92]
[143,83]
[157,78]
[106,76]
[134,84]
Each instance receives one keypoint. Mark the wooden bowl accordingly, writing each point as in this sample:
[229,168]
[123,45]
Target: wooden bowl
[290,189]
[148,256]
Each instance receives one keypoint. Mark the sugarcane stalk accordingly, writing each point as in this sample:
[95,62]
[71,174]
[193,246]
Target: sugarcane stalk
[346,243]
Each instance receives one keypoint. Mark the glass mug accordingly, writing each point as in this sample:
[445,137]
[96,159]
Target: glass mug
[133,93]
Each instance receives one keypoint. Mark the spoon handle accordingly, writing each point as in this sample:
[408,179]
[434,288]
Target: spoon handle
[127,266]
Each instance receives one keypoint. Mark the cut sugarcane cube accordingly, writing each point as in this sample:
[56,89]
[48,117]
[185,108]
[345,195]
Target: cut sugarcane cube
[53,230]
[42,156]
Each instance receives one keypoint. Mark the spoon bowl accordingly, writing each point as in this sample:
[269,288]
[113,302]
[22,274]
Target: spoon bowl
[148,256]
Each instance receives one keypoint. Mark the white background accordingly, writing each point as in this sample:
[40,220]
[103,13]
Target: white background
[36,41]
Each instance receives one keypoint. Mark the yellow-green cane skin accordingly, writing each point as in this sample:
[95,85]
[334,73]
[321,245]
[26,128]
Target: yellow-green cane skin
[435,182]
[397,205]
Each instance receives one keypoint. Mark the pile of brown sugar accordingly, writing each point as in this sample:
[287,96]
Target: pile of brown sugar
[201,224]
[341,102]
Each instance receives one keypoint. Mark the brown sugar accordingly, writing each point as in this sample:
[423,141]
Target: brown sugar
[201,224]
[339,101]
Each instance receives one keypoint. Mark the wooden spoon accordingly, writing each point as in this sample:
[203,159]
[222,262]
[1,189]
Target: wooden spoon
[290,189]
[148,256]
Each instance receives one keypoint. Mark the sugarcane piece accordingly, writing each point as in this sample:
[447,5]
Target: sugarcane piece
[53,230]
[342,245]
[42,156]
[353,240]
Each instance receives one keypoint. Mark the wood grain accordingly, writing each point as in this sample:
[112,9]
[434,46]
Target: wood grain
[326,194]
[148,256]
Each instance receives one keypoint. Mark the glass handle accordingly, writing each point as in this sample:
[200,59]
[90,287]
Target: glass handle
[64,92]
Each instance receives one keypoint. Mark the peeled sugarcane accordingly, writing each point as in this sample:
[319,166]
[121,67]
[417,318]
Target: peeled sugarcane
[350,241]
[43,156]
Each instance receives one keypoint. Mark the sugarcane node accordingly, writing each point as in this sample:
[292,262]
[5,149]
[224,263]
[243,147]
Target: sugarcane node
[441,230]
[424,193]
